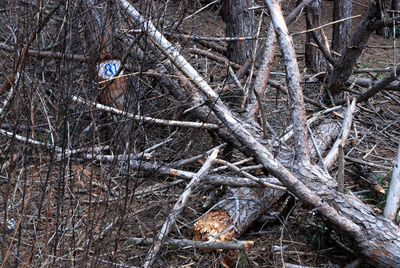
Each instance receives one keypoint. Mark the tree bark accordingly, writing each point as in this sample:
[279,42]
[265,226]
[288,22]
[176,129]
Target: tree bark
[345,64]
[396,5]
[383,15]
[342,30]
[313,55]
[239,23]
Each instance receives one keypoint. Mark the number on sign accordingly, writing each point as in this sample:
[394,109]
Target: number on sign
[109,71]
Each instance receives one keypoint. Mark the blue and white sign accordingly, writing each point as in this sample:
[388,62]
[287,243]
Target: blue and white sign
[108,69]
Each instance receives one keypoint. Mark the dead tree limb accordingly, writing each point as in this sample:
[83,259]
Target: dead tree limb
[371,232]
[146,119]
[290,18]
[48,54]
[333,153]
[179,205]
[263,74]
[367,82]
[301,138]
[268,57]
[196,244]
[369,241]
[381,85]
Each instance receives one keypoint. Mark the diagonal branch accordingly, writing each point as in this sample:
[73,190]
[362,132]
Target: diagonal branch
[381,85]
[179,205]
[341,140]
[293,79]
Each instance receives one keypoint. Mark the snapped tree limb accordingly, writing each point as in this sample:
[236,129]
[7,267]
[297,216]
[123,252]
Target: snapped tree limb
[371,232]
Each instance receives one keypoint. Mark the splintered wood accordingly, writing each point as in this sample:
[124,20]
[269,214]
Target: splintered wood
[214,227]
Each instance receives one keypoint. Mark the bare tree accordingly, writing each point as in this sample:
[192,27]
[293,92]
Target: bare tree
[341,31]
[239,21]
[312,53]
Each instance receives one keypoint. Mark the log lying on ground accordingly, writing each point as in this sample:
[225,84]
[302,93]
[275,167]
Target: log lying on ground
[377,238]
[381,85]
[242,206]
[367,82]
[255,201]
[178,207]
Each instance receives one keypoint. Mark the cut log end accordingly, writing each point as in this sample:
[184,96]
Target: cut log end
[213,226]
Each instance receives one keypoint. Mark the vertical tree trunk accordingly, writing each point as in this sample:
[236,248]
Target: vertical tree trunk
[344,65]
[396,5]
[313,55]
[342,30]
[383,14]
[239,23]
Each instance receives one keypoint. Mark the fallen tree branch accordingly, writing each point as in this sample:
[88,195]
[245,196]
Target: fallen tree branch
[346,125]
[301,138]
[249,176]
[327,24]
[367,82]
[196,244]
[162,168]
[362,162]
[271,38]
[214,57]
[146,119]
[381,85]
[179,205]
[393,197]
[345,211]
[48,54]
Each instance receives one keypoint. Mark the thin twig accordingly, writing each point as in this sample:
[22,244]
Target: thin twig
[346,125]
[201,9]
[327,24]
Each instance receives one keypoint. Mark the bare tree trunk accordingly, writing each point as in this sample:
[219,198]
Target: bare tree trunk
[345,64]
[342,30]
[239,23]
[383,14]
[313,55]
[396,5]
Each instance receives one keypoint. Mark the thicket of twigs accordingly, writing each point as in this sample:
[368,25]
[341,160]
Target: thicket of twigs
[82,184]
